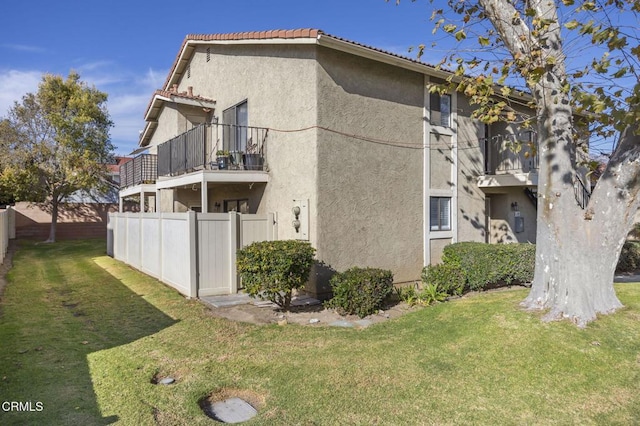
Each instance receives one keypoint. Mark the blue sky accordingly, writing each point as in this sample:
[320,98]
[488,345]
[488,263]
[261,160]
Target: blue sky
[125,48]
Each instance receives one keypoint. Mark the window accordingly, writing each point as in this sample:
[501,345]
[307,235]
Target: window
[440,110]
[440,213]
[240,206]
[236,120]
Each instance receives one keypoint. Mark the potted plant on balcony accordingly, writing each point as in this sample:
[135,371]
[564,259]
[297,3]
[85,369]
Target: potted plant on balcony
[253,159]
[222,159]
[236,160]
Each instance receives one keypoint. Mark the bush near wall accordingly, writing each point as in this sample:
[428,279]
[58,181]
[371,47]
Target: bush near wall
[448,278]
[360,291]
[271,270]
[482,266]
[477,266]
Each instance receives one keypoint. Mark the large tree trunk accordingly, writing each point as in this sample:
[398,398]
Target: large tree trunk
[54,221]
[577,250]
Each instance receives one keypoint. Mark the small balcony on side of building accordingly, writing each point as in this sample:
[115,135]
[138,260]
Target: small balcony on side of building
[218,147]
[510,160]
[141,170]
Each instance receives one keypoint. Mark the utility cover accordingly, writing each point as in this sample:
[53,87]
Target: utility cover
[233,410]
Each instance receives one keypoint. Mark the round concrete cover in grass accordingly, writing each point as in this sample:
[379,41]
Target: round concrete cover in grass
[233,410]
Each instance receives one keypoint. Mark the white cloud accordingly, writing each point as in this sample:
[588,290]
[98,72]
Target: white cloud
[24,48]
[14,85]
[126,112]
[127,104]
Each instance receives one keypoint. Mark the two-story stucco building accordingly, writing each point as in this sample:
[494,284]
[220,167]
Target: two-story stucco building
[383,172]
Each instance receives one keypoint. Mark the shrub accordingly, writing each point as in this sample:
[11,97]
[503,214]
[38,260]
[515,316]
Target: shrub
[360,291]
[629,260]
[425,296]
[447,277]
[271,270]
[487,265]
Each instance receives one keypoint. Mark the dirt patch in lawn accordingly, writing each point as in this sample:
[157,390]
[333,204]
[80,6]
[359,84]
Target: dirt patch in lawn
[311,315]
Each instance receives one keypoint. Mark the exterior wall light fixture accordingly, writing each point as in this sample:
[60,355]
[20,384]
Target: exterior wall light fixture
[296,220]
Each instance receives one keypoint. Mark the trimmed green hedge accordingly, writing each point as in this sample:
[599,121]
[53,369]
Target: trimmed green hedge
[489,265]
[271,270]
[360,291]
[477,266]
[447,277]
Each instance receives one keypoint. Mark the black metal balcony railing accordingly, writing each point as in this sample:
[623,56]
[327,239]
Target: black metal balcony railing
[197,149]
[512,153]
[581,192]
[142,169]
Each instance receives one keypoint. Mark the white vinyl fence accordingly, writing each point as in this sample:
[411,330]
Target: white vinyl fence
[193,252]
[7,231]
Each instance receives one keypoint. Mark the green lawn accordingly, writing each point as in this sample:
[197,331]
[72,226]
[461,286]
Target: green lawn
[85,335]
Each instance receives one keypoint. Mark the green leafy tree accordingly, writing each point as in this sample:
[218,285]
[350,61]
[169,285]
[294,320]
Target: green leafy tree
[575,64]
[55,142]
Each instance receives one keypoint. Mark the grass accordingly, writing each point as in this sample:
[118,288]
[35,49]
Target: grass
[85,335]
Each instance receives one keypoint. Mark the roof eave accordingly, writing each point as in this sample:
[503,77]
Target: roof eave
[373,54]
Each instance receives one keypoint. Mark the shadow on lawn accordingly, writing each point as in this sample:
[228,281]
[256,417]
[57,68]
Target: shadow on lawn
[92,311]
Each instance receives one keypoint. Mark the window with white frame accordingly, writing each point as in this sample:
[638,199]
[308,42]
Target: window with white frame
[440,213]
[440,106]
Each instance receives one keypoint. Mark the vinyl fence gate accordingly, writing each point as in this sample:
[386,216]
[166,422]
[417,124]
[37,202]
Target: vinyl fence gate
[193,252]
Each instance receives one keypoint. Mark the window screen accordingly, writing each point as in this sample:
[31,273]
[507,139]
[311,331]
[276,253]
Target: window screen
[440,109]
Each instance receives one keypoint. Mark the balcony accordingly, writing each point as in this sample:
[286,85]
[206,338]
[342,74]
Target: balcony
[141,170]
[510,160]
[240,148]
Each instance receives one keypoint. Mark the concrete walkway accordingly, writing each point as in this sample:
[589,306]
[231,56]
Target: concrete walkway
[245,299]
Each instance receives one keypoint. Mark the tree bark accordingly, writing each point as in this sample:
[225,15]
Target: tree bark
[576,250]
[54,221]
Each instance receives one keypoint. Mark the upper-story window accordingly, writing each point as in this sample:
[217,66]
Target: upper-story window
[235,120]
[440,110]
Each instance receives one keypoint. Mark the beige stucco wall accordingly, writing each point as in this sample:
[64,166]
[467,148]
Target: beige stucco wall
[167,126]
[369,191]
[472,221]
[503,217]
[440,161]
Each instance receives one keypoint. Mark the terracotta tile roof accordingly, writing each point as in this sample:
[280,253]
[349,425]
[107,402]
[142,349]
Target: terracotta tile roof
[310,33]
[257,35]
[174,94]
[119,161]
[185,95]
